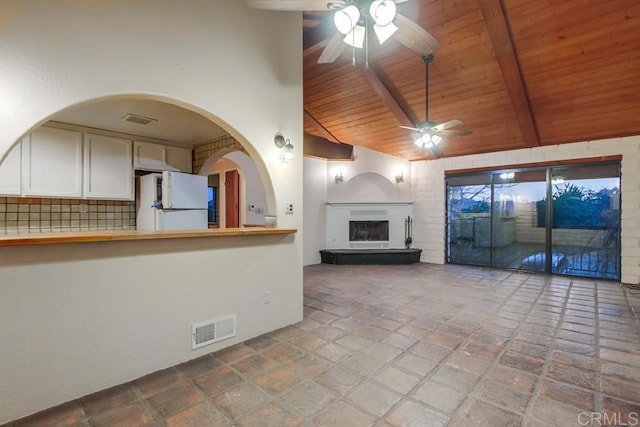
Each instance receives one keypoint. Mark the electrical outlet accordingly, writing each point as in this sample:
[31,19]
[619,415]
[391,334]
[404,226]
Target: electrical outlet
[259,210]
[288,208]
[252,208]
[267,297]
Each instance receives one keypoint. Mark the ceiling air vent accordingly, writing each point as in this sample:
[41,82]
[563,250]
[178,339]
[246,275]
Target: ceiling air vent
[140,120]
[211,331]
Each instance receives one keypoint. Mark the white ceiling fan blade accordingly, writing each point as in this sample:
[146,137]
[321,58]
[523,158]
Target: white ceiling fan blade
[414,36]
[453,132]
[410,128]
[333,49]
[447,125]
[297,5]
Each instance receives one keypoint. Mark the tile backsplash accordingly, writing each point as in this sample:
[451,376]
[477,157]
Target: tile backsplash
[20,215]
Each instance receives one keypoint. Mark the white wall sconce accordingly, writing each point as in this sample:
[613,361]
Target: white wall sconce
[286,148]
[339,177]
[399,177]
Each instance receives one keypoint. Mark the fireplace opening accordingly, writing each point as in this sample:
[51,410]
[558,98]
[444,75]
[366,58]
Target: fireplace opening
[368,231]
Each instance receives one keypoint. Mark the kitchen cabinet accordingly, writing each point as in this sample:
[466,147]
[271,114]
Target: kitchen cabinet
[52,163]
[10,175]
[178,159]
[158,157]
[148,156]
[108,171]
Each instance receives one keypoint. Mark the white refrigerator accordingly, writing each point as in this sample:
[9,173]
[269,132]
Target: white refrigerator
[172,201]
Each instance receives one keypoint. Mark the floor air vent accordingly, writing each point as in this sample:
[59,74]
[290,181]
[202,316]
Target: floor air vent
[205,333]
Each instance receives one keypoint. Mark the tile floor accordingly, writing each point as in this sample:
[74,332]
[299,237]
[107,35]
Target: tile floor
[419,345]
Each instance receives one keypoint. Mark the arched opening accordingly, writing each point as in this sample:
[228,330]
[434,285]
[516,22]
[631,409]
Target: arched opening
[186,134]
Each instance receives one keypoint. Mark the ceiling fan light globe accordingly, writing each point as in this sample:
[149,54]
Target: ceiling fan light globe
[384,33]
[383,12]
[435,139]
[346,19]
[356,37]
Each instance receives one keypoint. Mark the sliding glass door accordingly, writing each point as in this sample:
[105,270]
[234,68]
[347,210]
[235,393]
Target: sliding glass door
[502,219]
[586,220]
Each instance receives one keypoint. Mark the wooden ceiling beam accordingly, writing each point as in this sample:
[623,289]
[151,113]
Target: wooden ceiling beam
[498,27]
[315,146]
[385,95]
[324,132]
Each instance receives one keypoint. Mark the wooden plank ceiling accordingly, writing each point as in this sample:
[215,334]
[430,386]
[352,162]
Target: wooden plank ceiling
[519,73]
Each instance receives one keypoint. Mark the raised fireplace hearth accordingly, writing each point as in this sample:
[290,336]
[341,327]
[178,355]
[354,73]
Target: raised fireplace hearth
[370,256]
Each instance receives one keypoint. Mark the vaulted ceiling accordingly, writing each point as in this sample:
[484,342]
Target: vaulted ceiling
[518,73]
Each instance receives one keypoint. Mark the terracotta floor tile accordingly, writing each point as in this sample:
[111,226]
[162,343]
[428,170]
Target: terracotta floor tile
[552,413]
[271,415]
[522,362]
[68,414]
[397,380]
[623,389]
[468,363]
[445,340]
[364,363]
[198,416]
[455,378]
[443,398]
[484,414]
[198,366]
[354,342]
[135,415]
[329,333]
[277,381]
[241,399]
[282,353]
[286,333]
[234,353]
[343,414]
[567,394]
[308,398]
[621,357]
[415,364]
[305,367]
[572,375]
[339,380]
[175,399]
[573,359]
[400,341]
[254,364]
[387,324]
[409,413]
[108,399]
[430,351]
[261,342]
[509,397]
[308,342]
[161,380]
[515,378]
[332,352]
[218,380]
[374,398]
[621,413]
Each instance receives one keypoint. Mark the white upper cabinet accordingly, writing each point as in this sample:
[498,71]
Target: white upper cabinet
[10,176]
[158,157]
[148,156]
[178,159]
[108,171]
[52,163]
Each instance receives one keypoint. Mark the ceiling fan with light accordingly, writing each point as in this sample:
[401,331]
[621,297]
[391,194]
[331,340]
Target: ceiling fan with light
[430,132]
[356,20]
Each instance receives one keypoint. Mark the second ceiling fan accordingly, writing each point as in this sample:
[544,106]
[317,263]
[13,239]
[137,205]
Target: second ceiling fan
[356,20]
[430,132]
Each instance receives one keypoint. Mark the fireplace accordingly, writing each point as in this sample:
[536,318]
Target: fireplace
[368,231]
[366,225]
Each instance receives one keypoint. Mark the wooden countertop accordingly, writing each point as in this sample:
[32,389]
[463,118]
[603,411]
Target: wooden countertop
[113,236]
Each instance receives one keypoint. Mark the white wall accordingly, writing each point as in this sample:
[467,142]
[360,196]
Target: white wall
[428,192]
[369,178]
[127,307]
[315,219]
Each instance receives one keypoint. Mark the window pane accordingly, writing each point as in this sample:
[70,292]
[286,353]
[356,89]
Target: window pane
[586,220]
[211,204]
